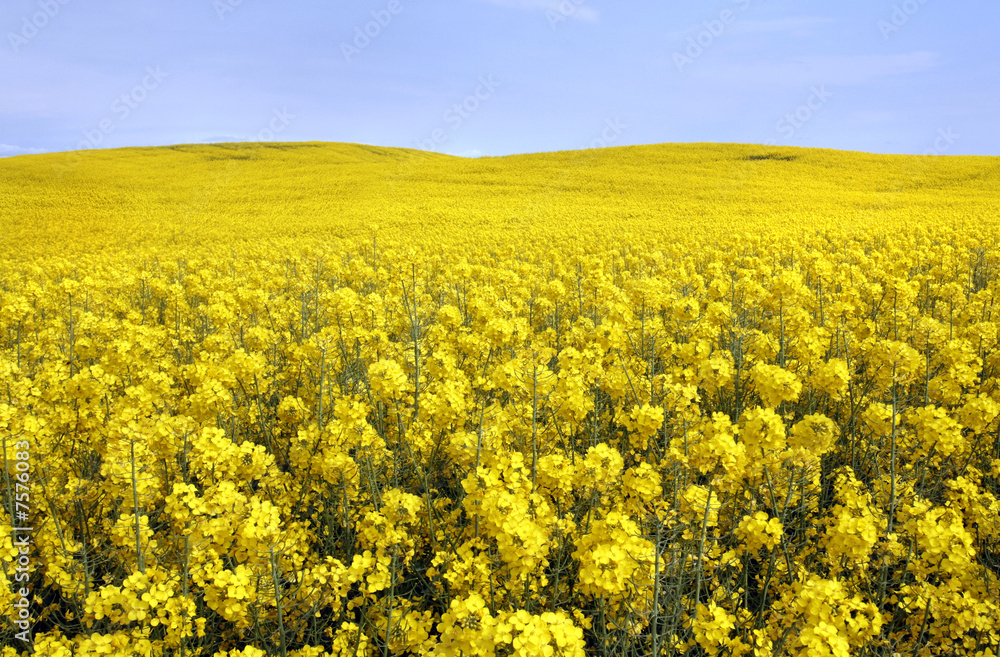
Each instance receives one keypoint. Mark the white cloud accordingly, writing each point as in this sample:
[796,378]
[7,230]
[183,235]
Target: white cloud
[574,9]
[7,150]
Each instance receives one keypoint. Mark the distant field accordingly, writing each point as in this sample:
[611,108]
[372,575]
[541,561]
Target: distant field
[309,399]
[184,195]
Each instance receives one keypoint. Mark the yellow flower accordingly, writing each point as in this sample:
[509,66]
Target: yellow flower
[832,377]
[775,384]
[813,435]
[388,379]
[759,532]
[712,627]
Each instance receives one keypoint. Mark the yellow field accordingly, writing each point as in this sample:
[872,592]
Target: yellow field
[311,399]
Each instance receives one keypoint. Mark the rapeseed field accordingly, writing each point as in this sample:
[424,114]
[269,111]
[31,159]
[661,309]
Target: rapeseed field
[326,399]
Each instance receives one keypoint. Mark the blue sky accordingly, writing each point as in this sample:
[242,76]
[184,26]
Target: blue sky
[493,77]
